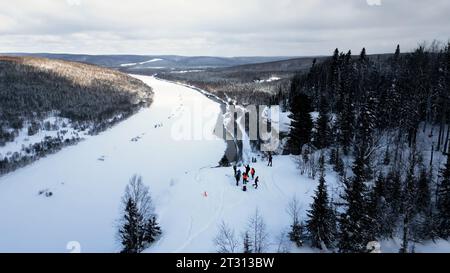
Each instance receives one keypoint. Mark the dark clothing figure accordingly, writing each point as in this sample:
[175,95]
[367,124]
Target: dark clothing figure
[252,172]
[270,160]
[235,169]
[238,177]
[244,188]
[247,169]
[256,182]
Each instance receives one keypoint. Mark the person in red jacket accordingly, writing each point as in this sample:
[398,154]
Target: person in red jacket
[245,178]
[252,172]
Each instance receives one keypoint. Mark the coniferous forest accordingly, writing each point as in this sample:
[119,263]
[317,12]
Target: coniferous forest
[382,124]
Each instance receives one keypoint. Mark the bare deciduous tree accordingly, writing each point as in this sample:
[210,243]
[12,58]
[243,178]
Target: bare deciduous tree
[284,243]
[258,231]
[293,209]
[140,195]
[226,241]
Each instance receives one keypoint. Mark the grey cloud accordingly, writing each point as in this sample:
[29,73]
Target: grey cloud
[219,27]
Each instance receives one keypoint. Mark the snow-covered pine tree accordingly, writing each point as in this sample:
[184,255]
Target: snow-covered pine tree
[346,113]
[247,244]
[131,232]
[301,124]
[444,202]
[355,225]
[425,229]
[379,209]
[322,135]
[321,224]
[152,230]
[409,205]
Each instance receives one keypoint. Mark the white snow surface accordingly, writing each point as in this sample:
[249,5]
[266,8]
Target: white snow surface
[271,79]
[146,62]
[24,140]
[87,181]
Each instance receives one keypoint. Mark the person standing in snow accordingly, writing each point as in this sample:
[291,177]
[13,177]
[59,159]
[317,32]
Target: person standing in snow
[245,178]
[247,169]
[238,177]
[252,172]
[256,182]
[270,160]
[235,170]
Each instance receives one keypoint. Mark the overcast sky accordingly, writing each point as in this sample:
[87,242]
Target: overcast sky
[220,27]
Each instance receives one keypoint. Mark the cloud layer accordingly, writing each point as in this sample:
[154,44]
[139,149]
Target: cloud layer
[219,27]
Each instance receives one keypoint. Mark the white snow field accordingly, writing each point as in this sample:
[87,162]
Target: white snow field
[191,196]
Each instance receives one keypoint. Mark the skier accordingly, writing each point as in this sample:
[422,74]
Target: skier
[238,177]
[270,160]
[256,182]
[252,172]
[247,169]
[235,169]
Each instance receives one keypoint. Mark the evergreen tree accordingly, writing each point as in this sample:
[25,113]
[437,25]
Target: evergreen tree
[379,210]
[297,233]
[355,224]
[443,205]
[247,243]
[322,135]
[132,232]
[138,226]
[301,125]
[425,218]
[152,230]
[322,223]
[393,198]
[364,137]
[346,112]
[408,205]
[423,192]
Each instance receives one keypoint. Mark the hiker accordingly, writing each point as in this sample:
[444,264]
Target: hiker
[256,182]
[270,160]
[252,172]
[235,170]
[238,177]
[244,184]
[245,178]
[247,169]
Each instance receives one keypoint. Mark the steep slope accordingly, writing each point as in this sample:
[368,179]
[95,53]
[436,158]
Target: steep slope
[42,95]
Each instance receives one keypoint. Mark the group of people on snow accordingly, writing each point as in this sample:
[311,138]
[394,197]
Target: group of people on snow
[248,171]
[246,177]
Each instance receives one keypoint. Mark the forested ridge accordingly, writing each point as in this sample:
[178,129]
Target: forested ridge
[382,124]
[89,97]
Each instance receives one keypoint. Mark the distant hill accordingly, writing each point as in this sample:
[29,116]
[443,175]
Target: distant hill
[290,65]
[31,87]
[164,62]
